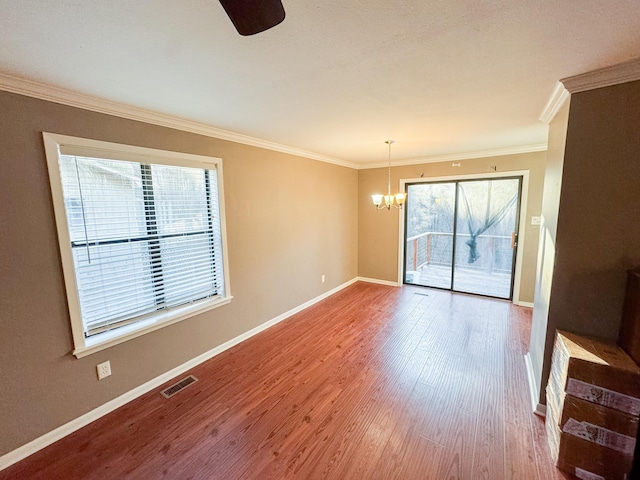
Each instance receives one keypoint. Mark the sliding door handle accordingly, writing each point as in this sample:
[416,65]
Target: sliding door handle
[514,239]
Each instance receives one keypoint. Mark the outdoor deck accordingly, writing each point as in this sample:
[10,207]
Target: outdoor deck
[469,280]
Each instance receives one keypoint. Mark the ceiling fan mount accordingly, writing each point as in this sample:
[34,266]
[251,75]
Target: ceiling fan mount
[254,16]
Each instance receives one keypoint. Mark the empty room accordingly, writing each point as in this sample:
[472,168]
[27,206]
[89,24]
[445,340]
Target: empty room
[351,240]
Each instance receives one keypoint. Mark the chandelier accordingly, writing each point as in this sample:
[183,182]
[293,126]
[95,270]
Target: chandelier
[389,199]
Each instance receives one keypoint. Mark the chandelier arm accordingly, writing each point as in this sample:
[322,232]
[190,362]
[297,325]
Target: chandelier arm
[387,207]
[390,200]
[389,142]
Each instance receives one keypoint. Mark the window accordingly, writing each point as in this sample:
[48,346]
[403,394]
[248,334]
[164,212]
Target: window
[142,237]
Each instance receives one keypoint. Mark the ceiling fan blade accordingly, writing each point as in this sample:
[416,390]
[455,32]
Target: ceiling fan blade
[254,16]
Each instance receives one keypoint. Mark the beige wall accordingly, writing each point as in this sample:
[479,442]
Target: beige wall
[378,230]
[540,334]
[289,221]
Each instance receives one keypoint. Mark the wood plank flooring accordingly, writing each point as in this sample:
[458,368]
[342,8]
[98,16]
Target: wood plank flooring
[374,382]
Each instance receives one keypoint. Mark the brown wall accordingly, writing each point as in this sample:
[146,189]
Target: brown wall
[289,221]
[378,230]
[598,232]
[540,334]
[598,235]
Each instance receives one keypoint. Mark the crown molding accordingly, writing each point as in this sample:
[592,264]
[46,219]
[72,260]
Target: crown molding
[557,99]
[604,77]
[496,152]
[70,98]
[62,96]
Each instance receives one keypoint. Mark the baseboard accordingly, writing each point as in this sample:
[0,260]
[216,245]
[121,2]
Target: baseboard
[538,408]
[541,410]
[380,282]
[523,304]
[47,439]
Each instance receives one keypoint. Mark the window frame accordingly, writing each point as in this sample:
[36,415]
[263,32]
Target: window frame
[54,144]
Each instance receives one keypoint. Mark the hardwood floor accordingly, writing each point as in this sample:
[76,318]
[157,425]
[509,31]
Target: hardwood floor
[374,382]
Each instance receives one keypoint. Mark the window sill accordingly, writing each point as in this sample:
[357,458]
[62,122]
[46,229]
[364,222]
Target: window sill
[155,322]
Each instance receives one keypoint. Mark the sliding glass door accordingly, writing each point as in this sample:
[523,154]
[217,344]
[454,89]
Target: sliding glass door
[461,235]
[430,215]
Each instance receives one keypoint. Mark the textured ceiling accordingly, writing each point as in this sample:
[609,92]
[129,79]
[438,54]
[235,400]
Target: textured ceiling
[337,77]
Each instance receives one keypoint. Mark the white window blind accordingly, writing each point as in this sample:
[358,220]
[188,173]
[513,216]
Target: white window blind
[144,237]
[141,235]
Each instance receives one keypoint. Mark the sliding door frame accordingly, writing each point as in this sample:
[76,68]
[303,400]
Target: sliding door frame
[477,176]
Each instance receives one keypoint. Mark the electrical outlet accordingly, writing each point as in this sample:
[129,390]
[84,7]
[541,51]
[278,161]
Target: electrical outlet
[536,220]
[104,370]
[323,278]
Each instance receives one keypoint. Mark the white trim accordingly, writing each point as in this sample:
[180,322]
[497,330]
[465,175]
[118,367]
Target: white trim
[401,244]
[496,152]
[536,407]
[62,96]
[114,337]
[604,77]
[222,212]
[522,223]
[30,88]
[557,99]
[524,197]
[524,304]
[47,439]
[55,145]
[379,282]
[540,410]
